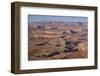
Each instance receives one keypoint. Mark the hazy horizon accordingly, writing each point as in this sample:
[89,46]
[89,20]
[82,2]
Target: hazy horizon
[40,18]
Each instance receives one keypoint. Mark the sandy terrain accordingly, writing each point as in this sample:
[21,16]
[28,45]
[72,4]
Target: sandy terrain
[57,40]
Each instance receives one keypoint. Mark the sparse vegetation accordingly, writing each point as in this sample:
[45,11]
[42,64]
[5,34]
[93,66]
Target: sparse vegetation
[54,40]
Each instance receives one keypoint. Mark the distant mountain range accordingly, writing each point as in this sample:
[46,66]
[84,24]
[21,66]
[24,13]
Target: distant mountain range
[52,23]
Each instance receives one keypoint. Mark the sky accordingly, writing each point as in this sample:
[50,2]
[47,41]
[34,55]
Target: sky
[38,18]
